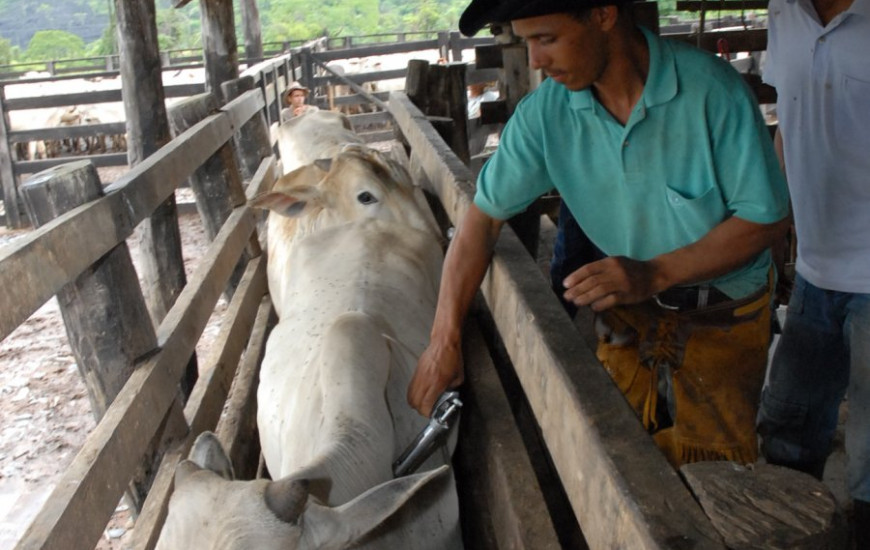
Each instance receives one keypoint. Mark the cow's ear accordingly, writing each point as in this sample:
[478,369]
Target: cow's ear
[323,164]
[350,522]
[286,498]
[290,202]
[208,453]
[281,203]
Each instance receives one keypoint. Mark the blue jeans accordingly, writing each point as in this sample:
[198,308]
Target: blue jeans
[571,251]
[823,354]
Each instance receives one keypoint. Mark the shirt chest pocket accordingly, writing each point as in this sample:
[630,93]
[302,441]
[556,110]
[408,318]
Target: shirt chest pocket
[851,113]
[696,215]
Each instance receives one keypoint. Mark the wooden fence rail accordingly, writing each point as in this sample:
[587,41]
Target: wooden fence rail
[272,77]
[39,264]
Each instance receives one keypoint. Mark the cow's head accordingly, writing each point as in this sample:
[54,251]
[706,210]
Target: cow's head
[209,509]
[359,183]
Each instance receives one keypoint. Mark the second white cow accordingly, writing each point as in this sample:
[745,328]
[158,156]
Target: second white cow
[354,264]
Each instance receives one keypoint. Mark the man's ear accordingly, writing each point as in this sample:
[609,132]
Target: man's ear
[605,16]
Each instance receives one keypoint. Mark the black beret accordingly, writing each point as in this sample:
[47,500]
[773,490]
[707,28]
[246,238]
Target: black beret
[481,12]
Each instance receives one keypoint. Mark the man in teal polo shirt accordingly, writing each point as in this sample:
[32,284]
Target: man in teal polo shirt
[659,151]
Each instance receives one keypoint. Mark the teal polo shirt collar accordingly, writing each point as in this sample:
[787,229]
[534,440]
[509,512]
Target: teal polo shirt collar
[661,84]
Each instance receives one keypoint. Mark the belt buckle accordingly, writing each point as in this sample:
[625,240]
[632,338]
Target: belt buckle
[664,305]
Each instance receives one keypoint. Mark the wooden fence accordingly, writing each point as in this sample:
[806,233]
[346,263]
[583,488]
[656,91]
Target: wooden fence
[272,76]
[66,249]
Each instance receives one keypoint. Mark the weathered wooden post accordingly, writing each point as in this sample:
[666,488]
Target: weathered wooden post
[444,45]
[307,67]
[147,131]
[279,90]
[104,310]
[251,142]
[217,184]
[455,42]
[267,109]
[454,91]
[417,83]
[253,33]
[107,322]
[7,175]
[439,92]
[220,47]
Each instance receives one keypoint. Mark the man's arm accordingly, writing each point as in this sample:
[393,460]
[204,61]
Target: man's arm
[619,280]
[440,365]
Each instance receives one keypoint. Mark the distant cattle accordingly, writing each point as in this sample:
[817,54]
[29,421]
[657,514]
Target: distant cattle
[65,117]
[354,264]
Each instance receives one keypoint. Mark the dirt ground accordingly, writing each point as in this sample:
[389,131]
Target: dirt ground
[44,407]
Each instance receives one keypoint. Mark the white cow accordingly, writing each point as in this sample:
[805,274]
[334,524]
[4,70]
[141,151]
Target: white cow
[354,261]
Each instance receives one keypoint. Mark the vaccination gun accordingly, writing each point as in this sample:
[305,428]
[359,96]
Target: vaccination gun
[444,415]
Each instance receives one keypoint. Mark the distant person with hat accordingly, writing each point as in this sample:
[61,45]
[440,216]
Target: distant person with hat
[660,152]
[294,98]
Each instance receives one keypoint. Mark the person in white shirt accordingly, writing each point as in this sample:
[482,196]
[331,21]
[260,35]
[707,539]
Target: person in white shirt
[817,60]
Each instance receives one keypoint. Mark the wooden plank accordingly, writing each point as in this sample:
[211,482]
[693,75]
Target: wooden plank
[251,140]
[242,108]
[7,174]
[105,315]
[36,266]
[356,99]
[494,458]
[206,402]
[252,30]
[488,56]
[204,407]
[749,40]
[89,98]
[768,507]
[60,132]
[82,502]
[264,178]
[353,85]
[359,78]
[237,430]
[34,166]
[721,5]
[383,135]
[219,46]
[623,491]
[379,49]
[363,119]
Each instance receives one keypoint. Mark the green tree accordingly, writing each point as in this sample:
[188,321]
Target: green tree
[6,52]
[177,29]
[54,45]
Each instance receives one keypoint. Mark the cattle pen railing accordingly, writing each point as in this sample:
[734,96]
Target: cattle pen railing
[78,244]
[618,499]
[272,76]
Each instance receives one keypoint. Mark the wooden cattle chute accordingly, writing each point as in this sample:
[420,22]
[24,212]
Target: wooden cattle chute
[622,490]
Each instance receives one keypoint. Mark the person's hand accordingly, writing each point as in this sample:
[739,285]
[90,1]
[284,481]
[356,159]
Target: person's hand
[611,281]
[439,367]
[298,110]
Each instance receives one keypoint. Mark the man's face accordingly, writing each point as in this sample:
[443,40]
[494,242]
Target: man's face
[570,51]
[297,98]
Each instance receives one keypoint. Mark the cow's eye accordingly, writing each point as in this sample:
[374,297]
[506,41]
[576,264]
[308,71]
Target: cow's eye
[366,198]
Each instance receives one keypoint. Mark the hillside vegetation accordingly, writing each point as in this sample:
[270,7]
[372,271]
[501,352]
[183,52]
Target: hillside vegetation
[33,30]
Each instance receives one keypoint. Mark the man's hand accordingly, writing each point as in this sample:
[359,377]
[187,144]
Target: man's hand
[611,281]
[298,110]
[440,367]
